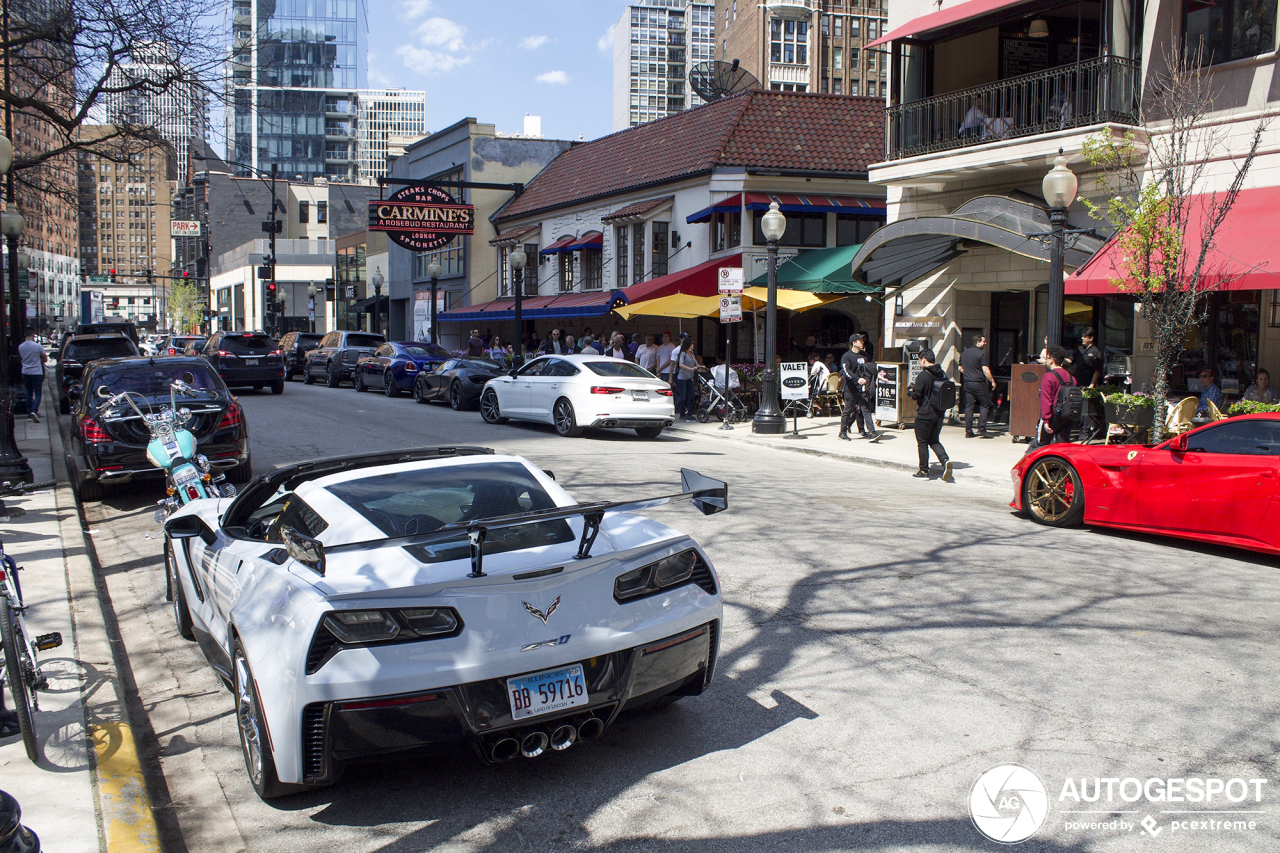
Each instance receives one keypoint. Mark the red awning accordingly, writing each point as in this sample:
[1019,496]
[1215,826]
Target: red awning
[590,240]
[561,245]
[946,17]
[1245,256]
[701,280]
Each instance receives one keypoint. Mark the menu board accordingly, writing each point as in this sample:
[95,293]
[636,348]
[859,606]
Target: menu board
[1019,56]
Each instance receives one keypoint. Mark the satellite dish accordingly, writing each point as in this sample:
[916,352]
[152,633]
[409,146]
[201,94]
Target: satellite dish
[715,79]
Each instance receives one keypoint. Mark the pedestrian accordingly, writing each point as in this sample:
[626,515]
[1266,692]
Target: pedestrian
[935,394]
[818,374]
[686,364]
[1053,428]
[618,349]
[666,357]
[857,372]
[496,350]
[634,346]
[978,383]
[554,345]
[1086,367]
[647,355]
[33,361]
[475,344]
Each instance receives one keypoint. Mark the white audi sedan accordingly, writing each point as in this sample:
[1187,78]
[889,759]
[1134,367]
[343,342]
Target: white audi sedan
[574,392]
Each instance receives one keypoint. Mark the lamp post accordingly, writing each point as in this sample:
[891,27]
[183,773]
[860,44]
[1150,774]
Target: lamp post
[377,298]
[1059,187]
[769,419]
[13,465]
[433,273]
[282,298]
[311,305]
[518,260]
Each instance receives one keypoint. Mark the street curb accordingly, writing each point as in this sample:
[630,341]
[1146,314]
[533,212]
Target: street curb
[126,815]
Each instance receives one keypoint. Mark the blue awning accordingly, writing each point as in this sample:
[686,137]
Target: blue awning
[733,202]
[561,245]
[590,304]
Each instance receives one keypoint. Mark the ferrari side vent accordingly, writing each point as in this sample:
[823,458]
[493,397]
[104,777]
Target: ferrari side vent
[321,644]
[702,577]
[313,741]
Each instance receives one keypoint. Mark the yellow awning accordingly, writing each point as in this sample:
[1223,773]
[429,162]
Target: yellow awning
[753,299]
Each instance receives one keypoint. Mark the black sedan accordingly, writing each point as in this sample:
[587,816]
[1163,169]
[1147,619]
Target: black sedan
[393,366]
[246,358]
[79,351]
[458,382]
[107,450]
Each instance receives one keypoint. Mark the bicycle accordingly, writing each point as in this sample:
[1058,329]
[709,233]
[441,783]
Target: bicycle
[20,670]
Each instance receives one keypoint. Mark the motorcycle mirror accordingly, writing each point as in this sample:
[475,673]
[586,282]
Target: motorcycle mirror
[73,393]
[188,377]
[104,392]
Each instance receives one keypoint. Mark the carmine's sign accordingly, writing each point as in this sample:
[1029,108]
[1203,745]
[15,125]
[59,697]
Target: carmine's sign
[421,218]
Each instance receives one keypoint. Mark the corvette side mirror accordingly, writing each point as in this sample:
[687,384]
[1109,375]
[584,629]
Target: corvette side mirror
[305,550]
[1180,444]
[189,527]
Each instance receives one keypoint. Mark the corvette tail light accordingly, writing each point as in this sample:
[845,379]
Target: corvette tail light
[93,433]
[665,574]
[665,392]
[233,417]
[346,628]
[606,389]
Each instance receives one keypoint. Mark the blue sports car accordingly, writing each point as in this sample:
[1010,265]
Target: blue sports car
[394,366]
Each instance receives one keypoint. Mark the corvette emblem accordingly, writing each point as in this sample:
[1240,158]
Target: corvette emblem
[538,613]
[558,641]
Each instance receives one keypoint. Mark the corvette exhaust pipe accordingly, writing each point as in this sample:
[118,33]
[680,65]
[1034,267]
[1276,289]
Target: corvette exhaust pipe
[563,737]
[534,743]
[590,729]
[504,750]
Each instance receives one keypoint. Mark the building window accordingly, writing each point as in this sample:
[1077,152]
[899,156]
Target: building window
[531,269]
[839,27]
[592,269]
[661,230]
[451,259]
[789,41]
[726,227]
[871,60]
[853,230]
[304,212]
[825,26]
[826,85]
[853,58]
[854,24]
[322,211]
[837,61]
[1230,29]
[566,271]
[853,87]
[839,87]
[803,229]
[637,252]
[620,252]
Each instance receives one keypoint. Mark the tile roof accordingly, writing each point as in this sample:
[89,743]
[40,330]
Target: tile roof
[793,131]
[640,208]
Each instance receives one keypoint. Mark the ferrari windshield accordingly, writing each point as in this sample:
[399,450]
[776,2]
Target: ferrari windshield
[408,503]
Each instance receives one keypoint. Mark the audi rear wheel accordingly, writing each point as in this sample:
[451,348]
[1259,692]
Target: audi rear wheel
[1052,493]
[566,423]
[489,408]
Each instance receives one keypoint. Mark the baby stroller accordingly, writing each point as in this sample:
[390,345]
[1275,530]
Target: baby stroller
[807,407]
[713,401]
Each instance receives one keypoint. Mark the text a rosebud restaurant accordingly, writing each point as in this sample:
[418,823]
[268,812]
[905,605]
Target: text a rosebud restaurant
[1240,330]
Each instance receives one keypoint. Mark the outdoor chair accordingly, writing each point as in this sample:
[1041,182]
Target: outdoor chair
[1179,420]
[1215,414]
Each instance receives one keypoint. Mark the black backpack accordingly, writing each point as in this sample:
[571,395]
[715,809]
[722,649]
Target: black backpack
[1068,406]
[942,396]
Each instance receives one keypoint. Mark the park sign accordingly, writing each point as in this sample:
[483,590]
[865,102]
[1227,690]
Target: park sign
[421,218]
[184,228]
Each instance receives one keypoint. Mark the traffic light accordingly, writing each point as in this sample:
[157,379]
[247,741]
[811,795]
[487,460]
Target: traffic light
[186,275]
[151,277]
[112,273]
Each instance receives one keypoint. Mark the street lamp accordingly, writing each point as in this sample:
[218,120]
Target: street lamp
[769,419]
[13,465]
[377,296]
[518,260]
[1059,188]
[311,304]
[281,297]
[433,273]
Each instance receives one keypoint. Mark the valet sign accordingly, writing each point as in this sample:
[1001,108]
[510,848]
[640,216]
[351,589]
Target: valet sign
[421,218]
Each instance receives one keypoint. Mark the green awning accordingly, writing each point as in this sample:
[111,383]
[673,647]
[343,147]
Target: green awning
[821,271]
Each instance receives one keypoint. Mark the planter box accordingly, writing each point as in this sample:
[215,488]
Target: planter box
[1137,416]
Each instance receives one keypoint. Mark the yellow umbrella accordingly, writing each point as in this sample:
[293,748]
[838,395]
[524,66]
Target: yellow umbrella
[791,300]
[679,305]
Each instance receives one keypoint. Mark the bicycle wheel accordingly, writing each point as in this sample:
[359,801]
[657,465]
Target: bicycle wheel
[15,671]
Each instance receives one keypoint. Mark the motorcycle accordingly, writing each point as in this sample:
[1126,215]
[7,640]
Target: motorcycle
[172,448]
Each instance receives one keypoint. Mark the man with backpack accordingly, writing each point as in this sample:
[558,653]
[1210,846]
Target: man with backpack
[935,394]
[1061,403]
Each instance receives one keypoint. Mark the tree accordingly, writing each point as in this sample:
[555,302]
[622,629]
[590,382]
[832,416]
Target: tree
[186,308]
[1160,197]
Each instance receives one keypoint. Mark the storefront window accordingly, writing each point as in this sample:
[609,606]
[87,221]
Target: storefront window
[1117,334]
[1227,343]
[803,229]
[727,227]
[1231,29]
[853,229]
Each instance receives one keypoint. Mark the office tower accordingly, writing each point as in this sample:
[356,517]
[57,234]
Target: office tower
[807,45]
[179,111]
[655,44]
[295,70]
[382,114]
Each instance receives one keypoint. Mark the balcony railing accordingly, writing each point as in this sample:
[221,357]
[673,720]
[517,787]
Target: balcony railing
[1103,89]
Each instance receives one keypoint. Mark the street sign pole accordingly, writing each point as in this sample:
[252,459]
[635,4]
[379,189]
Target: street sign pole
[730,312]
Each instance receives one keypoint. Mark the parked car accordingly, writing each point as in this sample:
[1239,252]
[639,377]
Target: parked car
[1216,483]
[78,352]
[295,346]
[107,450]
[344,604]
[574,392]
[246,358]
[393,366]
[335,358]
[107,327]
[178,344]
[457,382]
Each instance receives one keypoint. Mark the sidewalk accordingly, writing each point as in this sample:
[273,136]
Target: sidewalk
[86,794]
[984,461]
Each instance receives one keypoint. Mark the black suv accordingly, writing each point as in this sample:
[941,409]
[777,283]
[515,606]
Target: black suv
[177,344]
[295,346]
[78,351]
[246,358]
[336,356]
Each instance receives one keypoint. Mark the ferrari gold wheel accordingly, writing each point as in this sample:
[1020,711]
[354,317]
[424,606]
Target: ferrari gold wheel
[1052,493]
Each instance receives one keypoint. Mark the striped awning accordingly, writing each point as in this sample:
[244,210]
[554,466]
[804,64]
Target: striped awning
[561,245]
[590,240]
[733,202]
[515,235]
[816,203]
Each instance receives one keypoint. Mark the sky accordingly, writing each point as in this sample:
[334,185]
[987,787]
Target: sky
[496,60]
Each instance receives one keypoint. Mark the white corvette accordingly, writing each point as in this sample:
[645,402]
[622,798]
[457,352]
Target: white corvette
[575,392]
[425,600]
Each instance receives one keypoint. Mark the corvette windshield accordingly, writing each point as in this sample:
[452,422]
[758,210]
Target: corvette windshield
[421,501]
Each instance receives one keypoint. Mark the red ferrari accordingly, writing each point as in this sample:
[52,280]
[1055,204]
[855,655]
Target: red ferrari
[1216,484]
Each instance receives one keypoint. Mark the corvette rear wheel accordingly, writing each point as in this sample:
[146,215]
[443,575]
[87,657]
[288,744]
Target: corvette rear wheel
[253,733]
[1052,493]
[489,408]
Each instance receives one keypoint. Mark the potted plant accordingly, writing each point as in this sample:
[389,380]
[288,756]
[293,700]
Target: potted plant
[1129,409]
[1251,407]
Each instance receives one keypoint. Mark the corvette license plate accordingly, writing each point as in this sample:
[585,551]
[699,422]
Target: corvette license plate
[639,395]
[252,362]
[544,692]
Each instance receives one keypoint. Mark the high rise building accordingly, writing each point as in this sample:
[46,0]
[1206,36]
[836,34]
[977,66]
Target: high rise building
[383,114]
[807,45]
[179,111]
[295,70]
[655,45]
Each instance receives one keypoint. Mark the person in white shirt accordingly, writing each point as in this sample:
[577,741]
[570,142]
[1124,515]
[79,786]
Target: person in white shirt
[666,351]
[33,360]
[717,377]
[647,355]
[818,373]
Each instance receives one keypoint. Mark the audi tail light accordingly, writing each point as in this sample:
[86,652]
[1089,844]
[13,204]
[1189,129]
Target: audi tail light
[606,389]
[665,392]
[93,433]
[232,417]
[172,351]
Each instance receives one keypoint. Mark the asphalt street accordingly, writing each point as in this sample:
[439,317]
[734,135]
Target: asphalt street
[886,641]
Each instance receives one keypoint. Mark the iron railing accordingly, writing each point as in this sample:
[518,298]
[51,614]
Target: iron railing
[1103,89]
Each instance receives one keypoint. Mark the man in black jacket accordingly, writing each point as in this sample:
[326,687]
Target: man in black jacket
[929,418]
[858,374]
